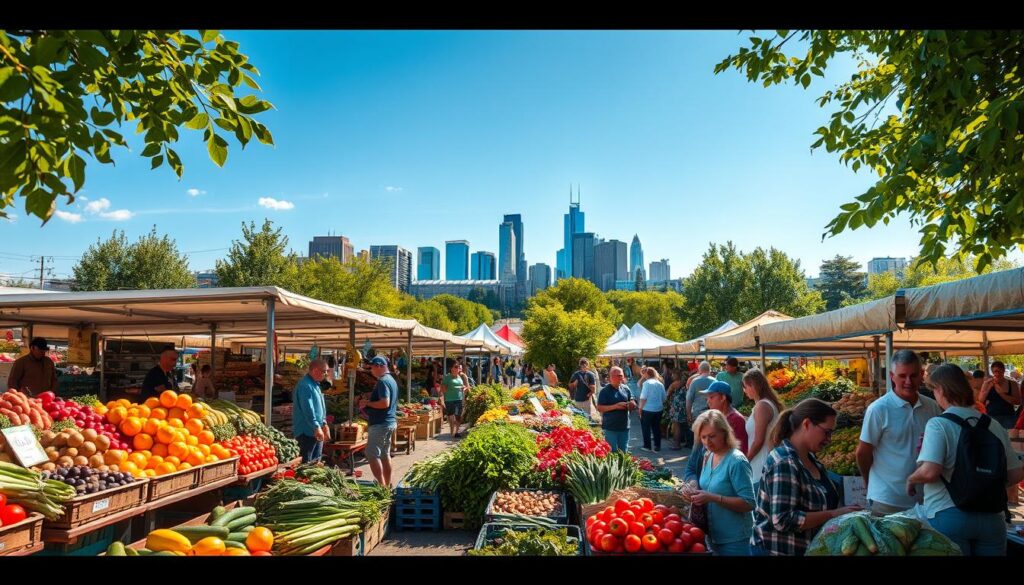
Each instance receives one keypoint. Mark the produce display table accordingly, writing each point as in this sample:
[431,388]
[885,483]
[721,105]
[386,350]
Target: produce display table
[290,464]
[22,538]
[245,479]
[341,451]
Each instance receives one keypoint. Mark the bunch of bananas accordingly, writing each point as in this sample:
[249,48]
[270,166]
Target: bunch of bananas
[222,412]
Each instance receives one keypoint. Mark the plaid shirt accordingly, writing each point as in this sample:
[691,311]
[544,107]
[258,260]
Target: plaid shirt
[786,493]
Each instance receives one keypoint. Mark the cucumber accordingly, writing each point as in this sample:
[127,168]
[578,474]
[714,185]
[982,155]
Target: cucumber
[242,522]
[196,533]
[236,537]
[234,544]
[217,513]
[245,530]
[232,515]
[131,552]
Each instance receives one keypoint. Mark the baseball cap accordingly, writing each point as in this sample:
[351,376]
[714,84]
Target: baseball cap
[720,387]
[731,361]
[39,342]
[379,361]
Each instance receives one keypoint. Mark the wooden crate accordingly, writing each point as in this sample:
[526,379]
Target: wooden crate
[375,533]
[438,424]
[84,509]
[424,430]
[22,537]
[350,433]
[454,521]
[350,546]
[214,472]
[173,483]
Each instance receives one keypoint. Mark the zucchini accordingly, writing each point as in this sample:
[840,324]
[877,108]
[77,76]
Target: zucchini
[236,537]
[217,513]
[234,544]
[196,533]
[232,515]
[242,522]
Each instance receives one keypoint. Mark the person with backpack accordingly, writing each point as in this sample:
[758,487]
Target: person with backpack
[966,464]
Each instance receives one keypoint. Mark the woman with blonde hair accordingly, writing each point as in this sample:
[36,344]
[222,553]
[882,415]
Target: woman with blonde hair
[724,486]
[766,411]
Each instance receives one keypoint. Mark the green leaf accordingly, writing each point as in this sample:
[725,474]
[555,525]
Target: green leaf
[40,203]
[850,207]
[74,167]
[209,35]
[175,161]
[101,118]
[152,149]
[13,88]
[157,161]
[198,122]
[225,124]
[218,149]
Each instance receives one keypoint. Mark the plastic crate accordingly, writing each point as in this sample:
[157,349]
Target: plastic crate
[403,490]
[490,530]
[563,518]
[418,517]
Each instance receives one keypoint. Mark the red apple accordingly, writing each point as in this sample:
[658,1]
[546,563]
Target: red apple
[650,543]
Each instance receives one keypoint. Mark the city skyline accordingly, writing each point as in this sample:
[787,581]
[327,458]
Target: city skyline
[392,124]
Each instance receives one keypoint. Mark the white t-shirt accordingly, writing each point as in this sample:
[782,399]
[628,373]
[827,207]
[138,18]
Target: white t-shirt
[895,430]
[941,438]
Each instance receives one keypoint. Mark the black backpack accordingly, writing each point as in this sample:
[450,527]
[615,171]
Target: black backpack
[978,483]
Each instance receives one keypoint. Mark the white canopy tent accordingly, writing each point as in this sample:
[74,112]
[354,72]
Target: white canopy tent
[484,334]
[621,333]
[636,342]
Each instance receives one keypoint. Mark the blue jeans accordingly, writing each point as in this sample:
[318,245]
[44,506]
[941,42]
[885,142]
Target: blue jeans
[976,533]
[619,440]
[310,448]
[757,551]
[740,548]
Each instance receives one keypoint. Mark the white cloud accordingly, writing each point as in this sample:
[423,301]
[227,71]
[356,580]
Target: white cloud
[271,203]
[118,215]
[391,189]
[12,217]
[196,192]
[68,217]
[101,204]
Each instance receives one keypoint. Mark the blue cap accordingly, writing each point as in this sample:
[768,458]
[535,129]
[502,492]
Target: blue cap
[720,387]
[379,361]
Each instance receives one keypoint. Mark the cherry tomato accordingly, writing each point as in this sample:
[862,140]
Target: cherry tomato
[633,543]
[590,520]
[686,538]
[647,504]
[670,517]
[658,516]
[677,546]
[662,508]
[595,539]
[650,543]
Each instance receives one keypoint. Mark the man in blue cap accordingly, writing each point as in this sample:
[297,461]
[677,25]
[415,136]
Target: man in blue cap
[380,412]
[719,395]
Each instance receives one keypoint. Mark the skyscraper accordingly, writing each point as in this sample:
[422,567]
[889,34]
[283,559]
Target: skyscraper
[507,251]
[399,261]
[660,271]
[540,277]
[456,260]
[636,257]
[428,263]
[331,247]
[483,266]
[609,264]
[583,256]
[573,224]
[520,257]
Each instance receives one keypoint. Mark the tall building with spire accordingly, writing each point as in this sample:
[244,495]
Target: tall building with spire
[636,258]
[573,224]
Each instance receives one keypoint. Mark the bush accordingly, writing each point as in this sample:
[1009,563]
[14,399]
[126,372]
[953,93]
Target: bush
[481,399]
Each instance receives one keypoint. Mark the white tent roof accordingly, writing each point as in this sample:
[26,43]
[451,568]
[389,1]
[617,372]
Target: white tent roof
[742,337]
[694,345]
[638,340]
[483,333]
[621,333]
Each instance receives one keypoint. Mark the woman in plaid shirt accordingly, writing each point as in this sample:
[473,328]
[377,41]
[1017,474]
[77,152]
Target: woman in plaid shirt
[795,496]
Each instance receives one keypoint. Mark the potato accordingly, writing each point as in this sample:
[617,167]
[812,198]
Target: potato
[47,438]
[95,460]
[81,460]
[103,468]
[65,461]
[90,435]
[75,439]
[102,443]
[52,455]
[70,452]
[49,466]
[60,440]
[114,468]
[88,449]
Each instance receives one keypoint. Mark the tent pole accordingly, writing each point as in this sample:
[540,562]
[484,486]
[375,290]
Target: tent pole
[888,359]
[352,373]
[408,369]
[103,370]
[764,359]
[479,380]
[213,362]
[268,383]
[878,367]
[984,352]
[444,358]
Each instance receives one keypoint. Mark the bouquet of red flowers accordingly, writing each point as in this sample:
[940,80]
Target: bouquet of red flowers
[564,440]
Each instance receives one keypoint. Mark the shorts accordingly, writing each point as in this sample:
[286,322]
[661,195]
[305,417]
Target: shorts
[378,440]
[453,408]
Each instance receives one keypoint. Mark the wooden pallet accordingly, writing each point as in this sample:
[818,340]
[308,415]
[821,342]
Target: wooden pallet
[454,521]
[87,508]
[23,537]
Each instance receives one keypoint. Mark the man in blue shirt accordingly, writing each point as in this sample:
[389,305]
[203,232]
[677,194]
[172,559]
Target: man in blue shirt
[614,403]
[380,412]
[309,414]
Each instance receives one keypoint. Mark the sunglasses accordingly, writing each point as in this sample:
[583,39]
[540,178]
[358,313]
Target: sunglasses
[828,432]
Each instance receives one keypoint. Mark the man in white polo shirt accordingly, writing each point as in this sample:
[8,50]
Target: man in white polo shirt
[890,439]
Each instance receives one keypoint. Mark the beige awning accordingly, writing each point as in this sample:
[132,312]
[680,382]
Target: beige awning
[743,337]
[992,302]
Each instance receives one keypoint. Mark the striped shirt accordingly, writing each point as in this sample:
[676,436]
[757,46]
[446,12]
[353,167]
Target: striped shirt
[786,494]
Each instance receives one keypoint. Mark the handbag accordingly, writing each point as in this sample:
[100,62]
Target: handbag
[699,512]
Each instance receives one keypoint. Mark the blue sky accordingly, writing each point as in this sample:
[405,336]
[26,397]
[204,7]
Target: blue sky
[417,137]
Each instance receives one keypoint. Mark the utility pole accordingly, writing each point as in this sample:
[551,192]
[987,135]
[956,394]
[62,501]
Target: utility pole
[42,269]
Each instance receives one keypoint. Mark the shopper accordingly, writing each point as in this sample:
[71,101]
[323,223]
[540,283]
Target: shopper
[204,384]
[161,376]
[380,414]
[795,497]
[762,418]
[1001,396]
[652,405]
[732,376]
[614,403]
[583,385]
[976,525]
[454,391]
[890,439]
[719,396]
[696,402]
[309,414]
[550,376]
[34,372]
[677,411]
[496,370]
[724,487]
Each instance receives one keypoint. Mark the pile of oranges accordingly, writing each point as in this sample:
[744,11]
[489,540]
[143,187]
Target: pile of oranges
[167,434]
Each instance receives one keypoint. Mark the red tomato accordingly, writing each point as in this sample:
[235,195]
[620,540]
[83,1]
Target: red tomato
[698,548]
[697,534]
[607,514]
[675,526]
[11,514]
[601,525]
[666,536]
[650,543]
[609,543]
[633,543]
[674,510]
[647,504]
[618,527]
[654,529]
[629,516]
[595,539]
[637,528]
[686,538]
[687,526]
[658,516]
[662,508]
[3,500]
[677,546]
[669,517]
[621,505]
[646,519]
[591,520]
